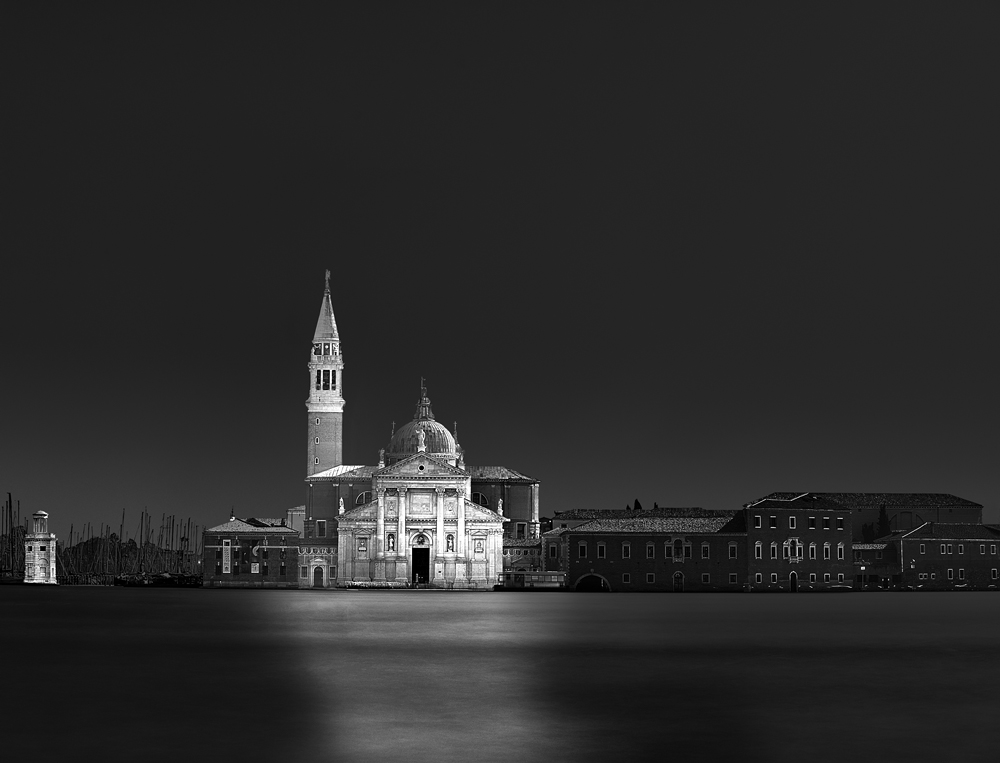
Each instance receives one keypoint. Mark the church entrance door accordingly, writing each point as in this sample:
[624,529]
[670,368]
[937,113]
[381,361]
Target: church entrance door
[793,582]
[318,577]
[679,582]
[421,565]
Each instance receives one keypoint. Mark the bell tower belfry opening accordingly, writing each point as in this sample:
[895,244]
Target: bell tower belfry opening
[325,404]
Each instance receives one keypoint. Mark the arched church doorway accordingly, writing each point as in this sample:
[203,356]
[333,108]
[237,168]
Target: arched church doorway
[318,577]
[592,583]
[793,582]
[679,582]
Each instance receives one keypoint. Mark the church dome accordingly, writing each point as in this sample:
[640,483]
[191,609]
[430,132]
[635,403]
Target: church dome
[438,441]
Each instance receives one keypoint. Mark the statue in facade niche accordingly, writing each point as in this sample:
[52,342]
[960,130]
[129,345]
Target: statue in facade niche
[500,507]
[421,437]
[392,542]
[451,543]
[341,504]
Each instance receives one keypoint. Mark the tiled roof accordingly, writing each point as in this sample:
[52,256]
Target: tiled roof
[949,531]
[244,526]
[623,513]
[889,500]
[344,470]
[496,473]
[657,524]
[522,542]
[815,501]
[869,546]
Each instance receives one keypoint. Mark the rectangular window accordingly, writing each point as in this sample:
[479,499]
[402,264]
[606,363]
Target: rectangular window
[552,552]
[878,554]
[733,578]
[626,578]
[758,578]
[733,550]
[687,552]
[650,551]
[961,574]
[705,550]
[756,521]
[812,523]
[667,550]
[951,549]
[626,551]
[319,376]
[826,523]
[812,550]
[840,552]
[840,523]
[281,570]
[982,548]
[326,378]
[857,555]
[961,548]
[758,551]
[923,548]
[43,548]
[826,551]
[784,551]
[791,523]
[812,577]
[706,578]
[993,548]
[303,572]
[826,577]
[772,522]
[993,573]
[774,550]
[944,548]
[320,528]
[522,530]
[951,574]
[601,551]
[840,577]
[774,577]
[581,551]
[650,577]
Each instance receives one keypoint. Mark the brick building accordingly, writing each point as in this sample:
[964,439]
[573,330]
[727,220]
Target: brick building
[251,553]
[937,556]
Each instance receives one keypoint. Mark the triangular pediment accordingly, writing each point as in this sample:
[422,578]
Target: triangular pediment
[364,513]
[476,513]
[421,465]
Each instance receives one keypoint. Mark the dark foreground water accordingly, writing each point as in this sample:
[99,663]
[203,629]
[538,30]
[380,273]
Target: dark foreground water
[123,674]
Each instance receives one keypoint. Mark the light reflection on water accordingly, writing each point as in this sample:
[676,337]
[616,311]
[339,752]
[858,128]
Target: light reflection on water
[447,676]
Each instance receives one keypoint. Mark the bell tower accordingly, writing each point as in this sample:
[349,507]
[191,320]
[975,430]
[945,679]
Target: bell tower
[326,392]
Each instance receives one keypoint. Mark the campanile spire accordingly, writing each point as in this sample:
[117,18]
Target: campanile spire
[325,403]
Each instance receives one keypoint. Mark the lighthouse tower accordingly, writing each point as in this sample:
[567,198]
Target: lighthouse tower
[40,551]
[325,404]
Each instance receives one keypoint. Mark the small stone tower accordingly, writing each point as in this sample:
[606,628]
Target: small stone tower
[40,551]
[326,392]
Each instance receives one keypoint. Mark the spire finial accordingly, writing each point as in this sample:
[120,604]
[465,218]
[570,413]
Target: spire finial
[327,287]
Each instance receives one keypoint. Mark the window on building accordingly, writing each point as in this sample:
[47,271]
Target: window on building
[757,521]
[364,497]
[826,523]
[857,556]
[705,551]
[650,577]
[812,550]
[733,550]
[826,550]
[326,378]
[581,550]
[315,460]
[951,574]
[923,548]
[316,349]
[320,528]
[758,550]
[667,550]
[303,571]
[552,552]
[785,550]
[812,523]
[840,523]
[601,551]
[706,578]
[993,549]
[961,548]
[944,548]
[522,530]
[758,578]
[679,550]
[774,577]
[826,577]
[982,548]
[791,523]
[687,551]
[812,577]
[626,578]
[482,500]
[840,577]
[961,574]
[993,573]
[840,552]
[774,550]
[316,440]
[281,570]
[772,522]
[733,578]
[626,551]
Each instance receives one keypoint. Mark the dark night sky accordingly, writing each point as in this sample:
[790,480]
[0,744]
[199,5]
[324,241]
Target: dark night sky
[686,254]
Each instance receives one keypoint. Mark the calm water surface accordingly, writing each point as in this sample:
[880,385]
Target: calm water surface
[112,674]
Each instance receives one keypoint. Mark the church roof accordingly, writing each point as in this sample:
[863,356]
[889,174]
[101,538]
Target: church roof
[657,524]
[497,474]
[326,325]
[438,441]
[359,471]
